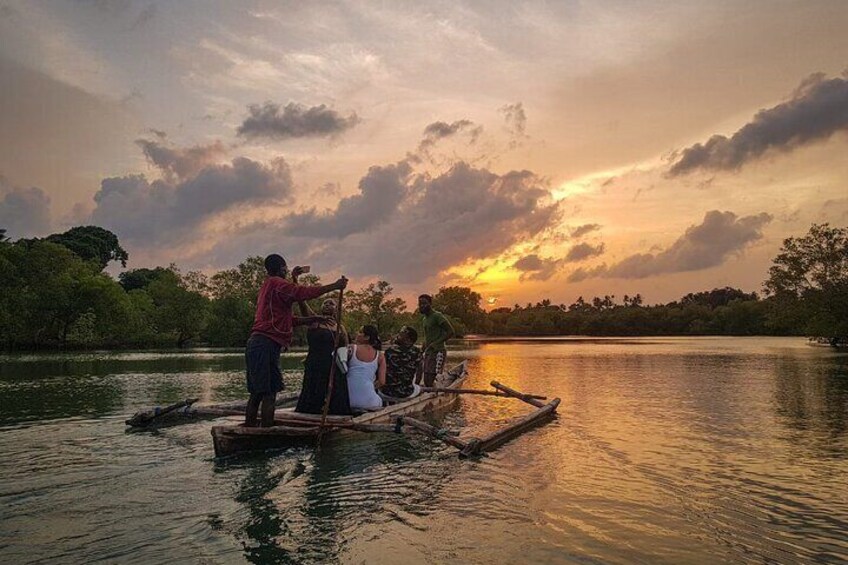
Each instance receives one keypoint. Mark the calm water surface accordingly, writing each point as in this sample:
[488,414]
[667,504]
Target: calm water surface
[665,451]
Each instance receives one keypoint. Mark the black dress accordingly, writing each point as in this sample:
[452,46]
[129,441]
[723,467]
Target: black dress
[315,374]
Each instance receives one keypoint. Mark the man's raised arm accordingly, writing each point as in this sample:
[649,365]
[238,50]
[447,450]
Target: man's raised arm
[299,293]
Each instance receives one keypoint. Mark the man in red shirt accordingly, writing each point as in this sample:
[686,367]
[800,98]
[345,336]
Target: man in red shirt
[272,333]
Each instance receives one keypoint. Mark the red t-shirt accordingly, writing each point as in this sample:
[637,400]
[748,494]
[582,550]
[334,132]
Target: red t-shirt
[274,308]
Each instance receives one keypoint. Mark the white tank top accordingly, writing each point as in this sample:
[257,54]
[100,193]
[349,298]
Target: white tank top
[361,377]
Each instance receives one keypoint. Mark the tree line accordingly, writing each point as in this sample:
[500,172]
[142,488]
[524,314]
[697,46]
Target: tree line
[54,292]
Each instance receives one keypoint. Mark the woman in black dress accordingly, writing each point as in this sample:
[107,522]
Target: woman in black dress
[321,338]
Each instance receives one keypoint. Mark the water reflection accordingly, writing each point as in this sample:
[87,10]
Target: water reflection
[812,398]
[59,398]
[74,385]
[302,505]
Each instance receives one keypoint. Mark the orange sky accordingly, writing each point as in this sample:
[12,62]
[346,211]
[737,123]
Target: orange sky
[528,151]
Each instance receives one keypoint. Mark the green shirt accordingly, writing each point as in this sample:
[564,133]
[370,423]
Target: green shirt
[437,330]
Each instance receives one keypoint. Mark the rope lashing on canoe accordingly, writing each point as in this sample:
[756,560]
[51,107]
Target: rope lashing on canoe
[442,433]
[472,448]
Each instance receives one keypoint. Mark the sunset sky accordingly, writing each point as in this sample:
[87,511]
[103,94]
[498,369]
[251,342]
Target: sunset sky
[527,150]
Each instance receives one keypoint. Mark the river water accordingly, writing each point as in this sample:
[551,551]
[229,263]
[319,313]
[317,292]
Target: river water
[665,450]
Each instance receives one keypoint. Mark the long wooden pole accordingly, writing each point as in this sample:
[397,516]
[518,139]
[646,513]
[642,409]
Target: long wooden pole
[447,390]
[529,399]
[331,377]
[513,429]
[433,431]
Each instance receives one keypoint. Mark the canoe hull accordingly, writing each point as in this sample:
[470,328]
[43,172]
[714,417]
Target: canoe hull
[233,439]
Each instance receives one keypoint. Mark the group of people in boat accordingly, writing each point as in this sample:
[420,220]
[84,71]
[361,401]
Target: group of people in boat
[372,378]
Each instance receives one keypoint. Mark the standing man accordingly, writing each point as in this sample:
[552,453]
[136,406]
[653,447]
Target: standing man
[437,330]
[272,333]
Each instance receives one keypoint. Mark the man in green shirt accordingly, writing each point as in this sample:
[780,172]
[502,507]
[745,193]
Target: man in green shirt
[437,330]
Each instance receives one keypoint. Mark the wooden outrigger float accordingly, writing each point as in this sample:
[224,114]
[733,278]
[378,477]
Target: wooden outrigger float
[187,411]
[293,428]
[476,446]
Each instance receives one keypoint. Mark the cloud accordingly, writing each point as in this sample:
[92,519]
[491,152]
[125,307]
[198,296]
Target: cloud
[24,212]
[463,214]
[380,193]
[817,109]
[294,121]
[709,244]
[529,263]
[147,213]
[181,163]
[441,130]
[580,231]
[533,267]
[516,122]
[583,251]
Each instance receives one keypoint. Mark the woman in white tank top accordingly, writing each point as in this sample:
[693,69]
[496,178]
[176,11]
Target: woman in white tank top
[366,367]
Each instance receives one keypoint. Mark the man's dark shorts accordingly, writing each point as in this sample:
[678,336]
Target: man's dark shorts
[434,365]
[263,365]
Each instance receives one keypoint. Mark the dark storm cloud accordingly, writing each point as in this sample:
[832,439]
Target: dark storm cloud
[181,163]
[146,212]
[380,193]
[441,130]
[24,212]
[294,121]
[817,109]
[709,244]
[580,231]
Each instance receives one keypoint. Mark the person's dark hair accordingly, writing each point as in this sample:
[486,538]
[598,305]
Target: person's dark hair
[411,333]
[373,336]
[426,297]
[275,264]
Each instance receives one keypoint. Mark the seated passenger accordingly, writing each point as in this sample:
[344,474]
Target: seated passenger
[365,368]
[403,361]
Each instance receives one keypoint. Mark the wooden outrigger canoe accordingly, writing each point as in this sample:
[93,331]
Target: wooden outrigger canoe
[293,428]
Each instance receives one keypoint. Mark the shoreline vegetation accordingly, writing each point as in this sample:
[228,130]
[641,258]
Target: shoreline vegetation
[55,295]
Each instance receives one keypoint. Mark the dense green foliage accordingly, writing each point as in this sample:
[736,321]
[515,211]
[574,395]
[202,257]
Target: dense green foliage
[54,293]
[92,244]
[809,281]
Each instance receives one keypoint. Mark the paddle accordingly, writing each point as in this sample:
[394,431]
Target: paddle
[331,377]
